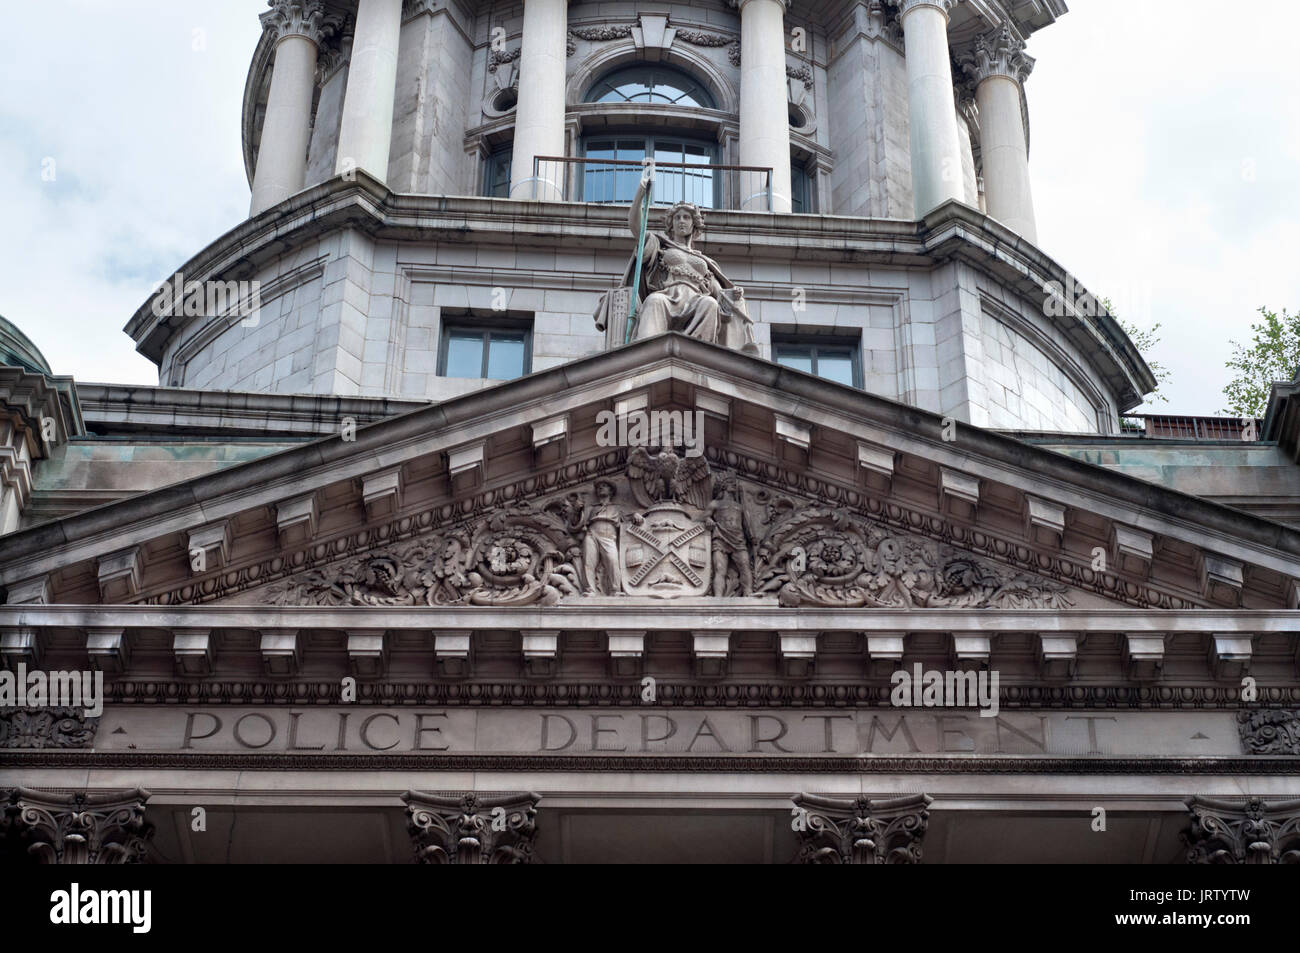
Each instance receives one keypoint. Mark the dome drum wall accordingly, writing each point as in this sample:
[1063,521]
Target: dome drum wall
[370,311]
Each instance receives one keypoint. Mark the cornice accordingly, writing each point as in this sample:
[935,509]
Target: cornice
[951,230]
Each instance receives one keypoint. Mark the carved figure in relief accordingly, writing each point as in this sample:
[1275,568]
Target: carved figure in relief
[600,521]
[732,537]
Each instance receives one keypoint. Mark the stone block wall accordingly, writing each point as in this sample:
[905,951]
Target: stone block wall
[350,316]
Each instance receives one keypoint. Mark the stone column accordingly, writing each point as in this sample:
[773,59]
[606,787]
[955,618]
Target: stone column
[539,115]
[936,151]
[764,116]
[77,828]
[998,67]
[366,132]
[860,831]
[472,828]
[299,25]
[1243,832]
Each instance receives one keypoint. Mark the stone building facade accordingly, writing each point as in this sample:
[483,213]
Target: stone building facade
[382,571]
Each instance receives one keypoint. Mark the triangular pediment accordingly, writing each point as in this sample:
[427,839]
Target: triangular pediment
[803,493]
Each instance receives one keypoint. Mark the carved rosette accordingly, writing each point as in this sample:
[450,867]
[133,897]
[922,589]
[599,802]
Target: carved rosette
[96,828]
[472,828]
[1270,731]
[860,831]
[47,728]
[1249,832]
[519,556]
[305,18]
[997,53]
[835,559]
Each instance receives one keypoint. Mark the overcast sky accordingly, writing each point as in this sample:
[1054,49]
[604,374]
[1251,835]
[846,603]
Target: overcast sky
[1165,159]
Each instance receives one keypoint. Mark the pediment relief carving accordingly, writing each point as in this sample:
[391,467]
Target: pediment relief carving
[668,526]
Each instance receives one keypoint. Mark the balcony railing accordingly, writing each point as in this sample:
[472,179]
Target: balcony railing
[614,181]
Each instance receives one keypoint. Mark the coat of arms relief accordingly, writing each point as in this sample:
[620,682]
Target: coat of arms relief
[670,527]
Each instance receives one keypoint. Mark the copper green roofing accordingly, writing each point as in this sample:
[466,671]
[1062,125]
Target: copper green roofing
[17,350]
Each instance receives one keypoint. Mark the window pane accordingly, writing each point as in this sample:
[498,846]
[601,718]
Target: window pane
[464,354]
[645,84]
[835,365]
[506,356]
[793,356]
[800,190]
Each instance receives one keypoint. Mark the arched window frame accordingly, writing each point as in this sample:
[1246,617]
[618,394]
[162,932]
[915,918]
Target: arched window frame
[688,87]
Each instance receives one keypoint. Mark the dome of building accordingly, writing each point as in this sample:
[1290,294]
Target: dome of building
[17,350]
[440,197]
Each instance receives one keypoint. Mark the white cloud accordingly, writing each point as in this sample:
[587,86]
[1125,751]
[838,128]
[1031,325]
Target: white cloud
[1165,159]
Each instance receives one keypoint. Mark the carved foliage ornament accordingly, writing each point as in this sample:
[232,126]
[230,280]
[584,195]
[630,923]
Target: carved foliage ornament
[1270,731]
[1233,832]
[46,728]
[472,829]
[306,18]
[77,828]
[998,53]
[860,831]
[671,528]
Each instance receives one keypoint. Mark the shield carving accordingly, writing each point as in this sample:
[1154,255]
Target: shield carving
[667,555]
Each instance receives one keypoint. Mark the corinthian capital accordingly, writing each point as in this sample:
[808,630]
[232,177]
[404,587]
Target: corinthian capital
[907,6]
[997,53]
[860,831]
[77,828]
[1250,832]
[472,828]
[305,18]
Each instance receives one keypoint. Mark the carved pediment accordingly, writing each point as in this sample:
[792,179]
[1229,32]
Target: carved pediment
[668,526]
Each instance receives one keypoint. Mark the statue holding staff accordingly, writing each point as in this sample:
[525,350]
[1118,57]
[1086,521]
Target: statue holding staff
[681,289]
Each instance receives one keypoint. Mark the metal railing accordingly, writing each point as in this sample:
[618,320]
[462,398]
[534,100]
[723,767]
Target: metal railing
[1169,427]
[614,181]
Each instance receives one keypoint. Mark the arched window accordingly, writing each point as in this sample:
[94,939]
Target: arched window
[647,83]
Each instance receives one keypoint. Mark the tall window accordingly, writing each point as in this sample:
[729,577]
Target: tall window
[803,199]
[614,174]
[650,84]
[835,359]
[497,353]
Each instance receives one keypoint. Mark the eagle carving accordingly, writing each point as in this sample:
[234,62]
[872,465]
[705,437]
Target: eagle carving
[665,477]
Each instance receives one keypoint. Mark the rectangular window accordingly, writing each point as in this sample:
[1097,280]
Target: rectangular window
[496,353]
[833,358]
[496,174]
[803,199]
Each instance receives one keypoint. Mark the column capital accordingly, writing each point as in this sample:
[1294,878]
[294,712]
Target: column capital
[1243,832]
[907,6]
[860,831]
[740,5]
[996,53]
[472,828]
[306,18]
[79,828]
